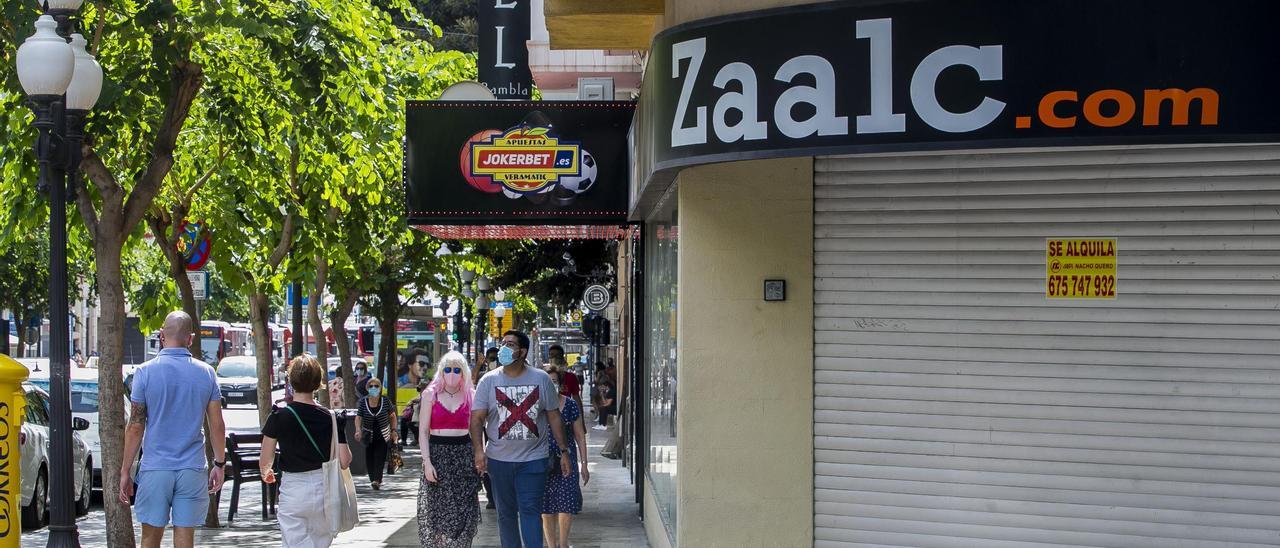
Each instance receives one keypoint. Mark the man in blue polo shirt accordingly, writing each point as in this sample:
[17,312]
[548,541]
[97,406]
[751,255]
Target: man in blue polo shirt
[172,395]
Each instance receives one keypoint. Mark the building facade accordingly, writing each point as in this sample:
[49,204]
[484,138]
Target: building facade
[1026,303]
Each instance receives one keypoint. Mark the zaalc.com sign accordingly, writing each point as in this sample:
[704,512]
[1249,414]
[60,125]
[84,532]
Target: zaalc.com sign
[861,76]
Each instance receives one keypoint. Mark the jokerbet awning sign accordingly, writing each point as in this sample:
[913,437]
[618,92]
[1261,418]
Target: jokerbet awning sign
[504,162]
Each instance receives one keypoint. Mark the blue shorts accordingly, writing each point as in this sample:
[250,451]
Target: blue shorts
[182,493]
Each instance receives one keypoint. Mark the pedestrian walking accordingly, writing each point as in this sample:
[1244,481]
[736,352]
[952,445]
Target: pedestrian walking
[376,429]
[362,380]
[304,432]
[490,363]
[172,397]
[448,500]
[562,498]
[516,405]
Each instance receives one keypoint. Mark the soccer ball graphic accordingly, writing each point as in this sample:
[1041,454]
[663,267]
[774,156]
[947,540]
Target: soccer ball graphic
[586,179]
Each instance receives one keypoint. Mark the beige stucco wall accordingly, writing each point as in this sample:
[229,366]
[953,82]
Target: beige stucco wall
[745,421]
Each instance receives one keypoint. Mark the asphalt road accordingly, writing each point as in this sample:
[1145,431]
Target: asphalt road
[92,527]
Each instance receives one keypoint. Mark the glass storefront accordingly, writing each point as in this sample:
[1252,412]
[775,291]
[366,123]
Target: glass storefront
[661,273]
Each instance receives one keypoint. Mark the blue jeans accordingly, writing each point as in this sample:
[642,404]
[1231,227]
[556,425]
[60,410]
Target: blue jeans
[517,489]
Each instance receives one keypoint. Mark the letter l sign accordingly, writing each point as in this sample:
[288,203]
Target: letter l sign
[497,61]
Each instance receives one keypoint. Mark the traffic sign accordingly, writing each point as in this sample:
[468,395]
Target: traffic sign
[596,297]
[199,284]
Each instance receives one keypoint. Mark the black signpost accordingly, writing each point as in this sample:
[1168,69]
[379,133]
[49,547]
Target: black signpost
[503,62]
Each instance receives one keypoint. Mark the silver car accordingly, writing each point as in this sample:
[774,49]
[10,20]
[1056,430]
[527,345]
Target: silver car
[34,450]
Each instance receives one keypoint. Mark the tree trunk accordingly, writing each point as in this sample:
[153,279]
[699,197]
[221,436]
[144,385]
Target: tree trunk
[111,387]
[259,311]
[390,301]
[22,333]
[338,323]
[317,327]
[178,271]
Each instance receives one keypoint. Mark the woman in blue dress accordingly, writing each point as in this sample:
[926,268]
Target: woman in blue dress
[563,496]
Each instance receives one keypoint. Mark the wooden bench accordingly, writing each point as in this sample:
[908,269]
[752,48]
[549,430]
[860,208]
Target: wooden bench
[244,452]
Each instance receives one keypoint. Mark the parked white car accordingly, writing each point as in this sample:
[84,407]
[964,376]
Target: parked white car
[34,450]
[84,404]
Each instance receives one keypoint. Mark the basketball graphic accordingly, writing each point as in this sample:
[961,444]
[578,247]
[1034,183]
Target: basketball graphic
[483,183]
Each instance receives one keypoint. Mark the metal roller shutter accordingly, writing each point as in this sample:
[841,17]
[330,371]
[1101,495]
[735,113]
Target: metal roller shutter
[956,407]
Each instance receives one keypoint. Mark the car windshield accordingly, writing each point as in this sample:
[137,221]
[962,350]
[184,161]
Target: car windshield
[236,369]
[209,348]
[84,395]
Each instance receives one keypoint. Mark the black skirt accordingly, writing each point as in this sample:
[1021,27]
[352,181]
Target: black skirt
[449,510]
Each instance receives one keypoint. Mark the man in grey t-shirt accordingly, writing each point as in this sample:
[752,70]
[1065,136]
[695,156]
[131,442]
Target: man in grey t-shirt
[516,405]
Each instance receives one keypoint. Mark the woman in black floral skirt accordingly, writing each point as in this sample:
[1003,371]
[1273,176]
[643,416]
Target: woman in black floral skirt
[448,500]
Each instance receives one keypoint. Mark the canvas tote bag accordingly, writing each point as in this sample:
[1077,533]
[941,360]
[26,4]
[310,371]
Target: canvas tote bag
[339,489]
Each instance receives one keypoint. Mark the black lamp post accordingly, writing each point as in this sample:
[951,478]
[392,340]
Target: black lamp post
[62,82]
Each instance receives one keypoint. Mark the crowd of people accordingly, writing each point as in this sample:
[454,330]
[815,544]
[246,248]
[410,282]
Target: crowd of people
[506,425]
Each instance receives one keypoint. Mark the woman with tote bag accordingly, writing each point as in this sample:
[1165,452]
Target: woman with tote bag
[313,460]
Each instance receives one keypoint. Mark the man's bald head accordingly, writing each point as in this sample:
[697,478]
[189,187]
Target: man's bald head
[177,329]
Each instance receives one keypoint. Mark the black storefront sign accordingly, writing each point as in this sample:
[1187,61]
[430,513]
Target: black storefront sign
[508,162]
[503,62]
[866,76]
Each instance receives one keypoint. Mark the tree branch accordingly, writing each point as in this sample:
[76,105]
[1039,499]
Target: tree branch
[187,78]
[84,203]
[286,237]
[102,24]
[191,192]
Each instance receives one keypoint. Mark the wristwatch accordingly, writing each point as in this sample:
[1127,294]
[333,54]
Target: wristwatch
[564,451]
[219,464]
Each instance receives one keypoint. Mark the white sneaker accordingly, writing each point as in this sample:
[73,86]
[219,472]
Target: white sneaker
[598,427]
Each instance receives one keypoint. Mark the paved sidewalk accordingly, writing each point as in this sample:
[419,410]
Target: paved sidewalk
[389,517]
[609,515]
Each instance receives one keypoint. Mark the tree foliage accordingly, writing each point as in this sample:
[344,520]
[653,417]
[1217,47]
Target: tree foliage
[292,107]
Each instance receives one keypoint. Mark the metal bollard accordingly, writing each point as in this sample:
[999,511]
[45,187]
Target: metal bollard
[13,404]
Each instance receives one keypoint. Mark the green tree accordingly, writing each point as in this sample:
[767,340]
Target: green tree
[24,281]
[277,81]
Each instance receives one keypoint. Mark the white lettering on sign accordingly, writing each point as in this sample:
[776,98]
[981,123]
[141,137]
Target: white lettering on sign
[819,99]
[987,60]
[517,159]
[497,59]
[694,51]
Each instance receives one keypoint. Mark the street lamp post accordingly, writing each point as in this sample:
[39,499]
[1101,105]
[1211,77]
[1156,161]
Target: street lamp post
[482,323]
[62,82]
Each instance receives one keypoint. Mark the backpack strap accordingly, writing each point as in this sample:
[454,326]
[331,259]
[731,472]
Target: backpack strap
[306,431]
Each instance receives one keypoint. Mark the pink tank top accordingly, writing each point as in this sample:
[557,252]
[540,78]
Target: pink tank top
[442,419]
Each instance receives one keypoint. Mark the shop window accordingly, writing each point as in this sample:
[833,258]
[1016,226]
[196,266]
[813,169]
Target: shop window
[661,272]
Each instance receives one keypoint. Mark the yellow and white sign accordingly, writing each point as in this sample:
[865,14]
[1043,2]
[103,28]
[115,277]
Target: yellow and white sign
[1080,268]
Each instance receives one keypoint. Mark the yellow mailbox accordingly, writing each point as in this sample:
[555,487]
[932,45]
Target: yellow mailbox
[13,403]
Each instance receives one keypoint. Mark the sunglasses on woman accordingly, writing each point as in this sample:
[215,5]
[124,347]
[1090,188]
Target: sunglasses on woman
[453,370]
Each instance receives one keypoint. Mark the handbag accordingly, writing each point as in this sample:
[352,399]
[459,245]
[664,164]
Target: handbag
[394,461]
[340,508]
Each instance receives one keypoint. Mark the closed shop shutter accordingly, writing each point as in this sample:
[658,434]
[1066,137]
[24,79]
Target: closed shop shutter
[955,406]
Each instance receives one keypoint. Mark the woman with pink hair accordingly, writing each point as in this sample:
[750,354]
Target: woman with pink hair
[448,501]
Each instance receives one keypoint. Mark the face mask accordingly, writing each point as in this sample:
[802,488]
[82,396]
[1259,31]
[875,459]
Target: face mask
[360,372]
[557,385]
[375,392]
[506,355]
